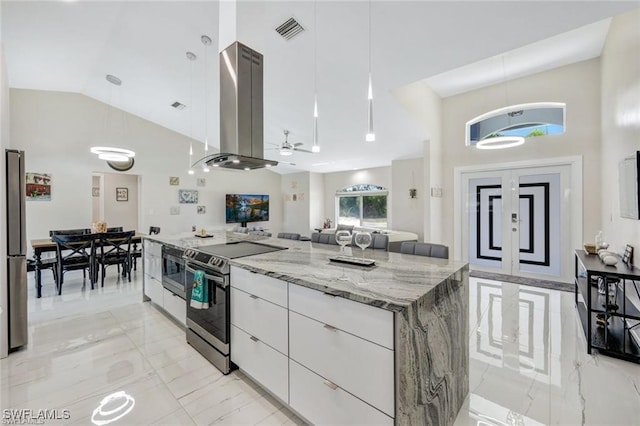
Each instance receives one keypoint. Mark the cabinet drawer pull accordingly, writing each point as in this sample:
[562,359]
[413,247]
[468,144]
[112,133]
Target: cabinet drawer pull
[255,339]
[330,327]
[253,296]
[330,384]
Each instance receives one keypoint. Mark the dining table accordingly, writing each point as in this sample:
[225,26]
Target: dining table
[46,245]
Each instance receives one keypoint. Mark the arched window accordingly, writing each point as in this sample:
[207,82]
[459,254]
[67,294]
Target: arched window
[362,205]
[525,120]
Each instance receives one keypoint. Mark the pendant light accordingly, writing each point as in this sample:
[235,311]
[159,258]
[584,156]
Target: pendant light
[119,159]
[502,142]
[371,136]
[206,40]
[191,57]
[315,148]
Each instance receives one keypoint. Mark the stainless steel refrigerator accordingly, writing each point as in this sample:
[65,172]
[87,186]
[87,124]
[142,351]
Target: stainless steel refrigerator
[16,249]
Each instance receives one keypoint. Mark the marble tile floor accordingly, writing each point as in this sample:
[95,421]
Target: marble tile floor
[528,363]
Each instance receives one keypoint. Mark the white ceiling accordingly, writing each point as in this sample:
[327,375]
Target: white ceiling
[453,46]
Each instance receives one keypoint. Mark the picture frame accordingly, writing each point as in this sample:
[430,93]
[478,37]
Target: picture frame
[201,210]
[38,186]
[174,180]
[627,257]
[95,191]
[188,196]
[174,210]
[201,182]
[122,194]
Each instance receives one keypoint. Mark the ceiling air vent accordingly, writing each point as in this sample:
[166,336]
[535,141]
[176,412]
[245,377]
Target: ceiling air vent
[178,105]
[289,29]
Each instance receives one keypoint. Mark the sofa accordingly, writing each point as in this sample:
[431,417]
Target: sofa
[396,238]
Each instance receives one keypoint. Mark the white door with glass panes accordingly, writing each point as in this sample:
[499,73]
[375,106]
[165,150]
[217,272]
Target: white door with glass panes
[513,221]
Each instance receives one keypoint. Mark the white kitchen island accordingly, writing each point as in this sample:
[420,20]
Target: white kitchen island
[352,345]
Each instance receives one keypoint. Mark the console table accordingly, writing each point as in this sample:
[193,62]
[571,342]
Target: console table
[611,323]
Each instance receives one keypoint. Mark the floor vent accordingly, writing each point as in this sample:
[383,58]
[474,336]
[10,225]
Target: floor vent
[178,105]
[289,29]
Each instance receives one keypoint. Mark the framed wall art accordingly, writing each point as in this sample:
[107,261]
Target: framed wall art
[95,191]
[38,186]
[202,210]
[174,180]
[122,194]
[188,196]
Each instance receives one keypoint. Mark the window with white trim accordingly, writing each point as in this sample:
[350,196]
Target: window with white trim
[362,205]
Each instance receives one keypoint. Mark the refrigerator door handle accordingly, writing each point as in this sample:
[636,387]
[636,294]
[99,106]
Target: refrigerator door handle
[17,279]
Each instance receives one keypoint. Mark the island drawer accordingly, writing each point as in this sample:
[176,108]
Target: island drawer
[370,323]
[260,318]
[263,363]
[360,367]
[267,288]
[153,289]
[152,248]
[321,402]
[175,305]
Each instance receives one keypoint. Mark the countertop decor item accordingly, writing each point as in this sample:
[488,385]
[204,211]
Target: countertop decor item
[610,260]
[627,257]
[590,248]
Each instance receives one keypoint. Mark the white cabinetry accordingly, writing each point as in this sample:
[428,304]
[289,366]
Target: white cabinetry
[153,289]
[329,358]
[346,343]
[153,271]
[259,329]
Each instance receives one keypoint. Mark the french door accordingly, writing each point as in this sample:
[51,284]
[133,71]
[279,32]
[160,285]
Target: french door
[516,221]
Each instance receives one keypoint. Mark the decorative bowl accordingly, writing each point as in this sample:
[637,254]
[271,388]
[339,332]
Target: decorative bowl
[590,248]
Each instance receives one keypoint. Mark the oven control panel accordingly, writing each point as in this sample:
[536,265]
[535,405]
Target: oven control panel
[216,263]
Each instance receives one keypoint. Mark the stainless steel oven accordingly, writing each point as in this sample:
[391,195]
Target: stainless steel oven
[208,329]
[173,273]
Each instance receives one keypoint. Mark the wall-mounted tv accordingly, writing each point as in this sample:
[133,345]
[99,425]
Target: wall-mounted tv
[243,208]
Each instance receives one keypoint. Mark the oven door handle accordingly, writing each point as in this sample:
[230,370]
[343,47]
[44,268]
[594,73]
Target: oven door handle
[175,259]
[218,280]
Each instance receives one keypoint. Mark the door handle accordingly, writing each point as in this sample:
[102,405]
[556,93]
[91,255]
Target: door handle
[330,384]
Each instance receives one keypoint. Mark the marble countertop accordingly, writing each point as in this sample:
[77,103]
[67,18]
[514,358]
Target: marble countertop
[396,281]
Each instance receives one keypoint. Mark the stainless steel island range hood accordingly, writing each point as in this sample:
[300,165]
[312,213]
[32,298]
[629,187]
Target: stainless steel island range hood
[241,111]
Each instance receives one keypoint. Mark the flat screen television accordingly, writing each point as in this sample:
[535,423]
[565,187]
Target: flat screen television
[243,208]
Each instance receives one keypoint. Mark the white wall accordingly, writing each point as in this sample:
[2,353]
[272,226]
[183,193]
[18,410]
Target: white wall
[425,107]
[4,143]
[121,213]
[578,85]
[57,129]
[408,212]
[96,201]
[620,113]
[316,201]
[339,180]
[296,203]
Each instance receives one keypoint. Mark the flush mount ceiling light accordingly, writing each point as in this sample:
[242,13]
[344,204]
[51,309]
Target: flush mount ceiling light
[500,142]
[112,154]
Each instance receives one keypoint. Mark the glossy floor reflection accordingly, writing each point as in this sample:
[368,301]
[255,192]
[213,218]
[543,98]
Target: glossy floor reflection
[87,345]
[528,364]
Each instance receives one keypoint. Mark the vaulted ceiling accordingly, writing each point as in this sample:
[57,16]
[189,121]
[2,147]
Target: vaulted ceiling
[451,45]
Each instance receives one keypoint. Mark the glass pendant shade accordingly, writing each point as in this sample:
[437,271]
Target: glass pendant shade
[371,136]
[315,148]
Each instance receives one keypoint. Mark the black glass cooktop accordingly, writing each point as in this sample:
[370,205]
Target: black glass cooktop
[239,249]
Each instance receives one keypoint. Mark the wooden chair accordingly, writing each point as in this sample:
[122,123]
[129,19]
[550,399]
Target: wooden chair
[74,252]
[114,248]
[425,249]
[78,231]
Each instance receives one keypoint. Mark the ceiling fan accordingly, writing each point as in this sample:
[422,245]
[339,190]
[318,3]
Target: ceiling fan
[287,148]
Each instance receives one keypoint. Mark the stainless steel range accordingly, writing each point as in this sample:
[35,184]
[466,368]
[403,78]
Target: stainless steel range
[208,330]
